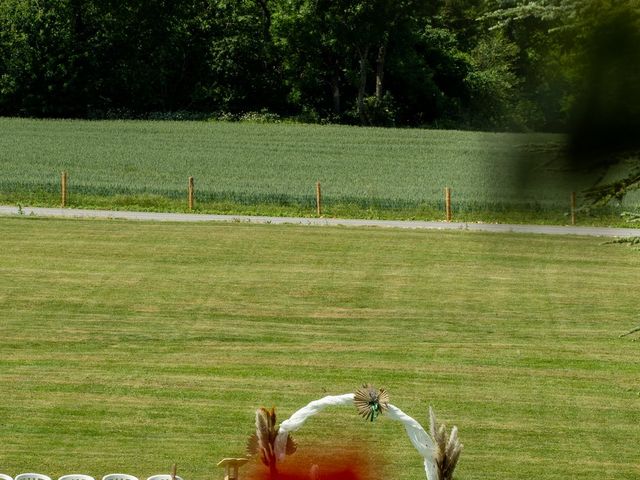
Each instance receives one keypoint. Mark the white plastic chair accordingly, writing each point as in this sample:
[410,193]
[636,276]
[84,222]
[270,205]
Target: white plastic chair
[32,476]
[119,476]
[5,477]
[76,476]
[163,477]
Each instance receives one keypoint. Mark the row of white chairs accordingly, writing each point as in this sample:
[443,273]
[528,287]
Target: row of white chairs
[80,476]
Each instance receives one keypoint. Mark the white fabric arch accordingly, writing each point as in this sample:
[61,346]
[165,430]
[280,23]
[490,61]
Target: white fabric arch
[420,439]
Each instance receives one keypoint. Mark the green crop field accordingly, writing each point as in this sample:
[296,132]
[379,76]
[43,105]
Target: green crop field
[132,346]
[273,169]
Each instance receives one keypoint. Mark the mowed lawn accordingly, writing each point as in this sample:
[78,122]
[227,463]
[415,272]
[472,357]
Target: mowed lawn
[132,346]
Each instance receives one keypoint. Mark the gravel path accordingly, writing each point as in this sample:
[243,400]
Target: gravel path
[411,224]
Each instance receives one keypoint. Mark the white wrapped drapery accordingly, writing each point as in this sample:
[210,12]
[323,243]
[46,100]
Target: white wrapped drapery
[420,439]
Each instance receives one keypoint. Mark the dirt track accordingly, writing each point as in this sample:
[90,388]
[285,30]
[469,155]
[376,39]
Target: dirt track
[186,217]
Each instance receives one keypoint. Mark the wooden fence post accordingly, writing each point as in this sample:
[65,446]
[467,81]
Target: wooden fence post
[447,203]
[64,185]
[573,208]
[318,199]
[190,193]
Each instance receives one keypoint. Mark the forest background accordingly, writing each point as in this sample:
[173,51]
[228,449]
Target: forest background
[547,65]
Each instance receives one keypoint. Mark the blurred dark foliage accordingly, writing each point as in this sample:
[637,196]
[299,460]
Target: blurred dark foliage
[604,125]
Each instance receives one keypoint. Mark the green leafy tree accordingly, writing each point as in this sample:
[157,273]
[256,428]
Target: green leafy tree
[343,48]
[595,44]
[72,57]
[311,37]
[37,57]
[244,68]
[492,84]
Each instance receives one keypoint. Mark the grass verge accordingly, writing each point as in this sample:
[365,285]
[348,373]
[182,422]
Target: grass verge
[601,217]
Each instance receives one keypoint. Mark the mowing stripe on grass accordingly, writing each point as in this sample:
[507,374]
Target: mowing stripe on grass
[128,346]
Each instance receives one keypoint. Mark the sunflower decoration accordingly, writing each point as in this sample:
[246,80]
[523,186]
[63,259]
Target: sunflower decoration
[262,442]
[371,401]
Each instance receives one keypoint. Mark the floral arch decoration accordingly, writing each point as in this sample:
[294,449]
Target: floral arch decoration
[439,451]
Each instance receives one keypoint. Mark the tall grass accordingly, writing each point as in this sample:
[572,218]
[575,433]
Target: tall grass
[278,164]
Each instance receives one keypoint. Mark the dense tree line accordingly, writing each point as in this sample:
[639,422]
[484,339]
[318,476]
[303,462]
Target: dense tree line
[488,64]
